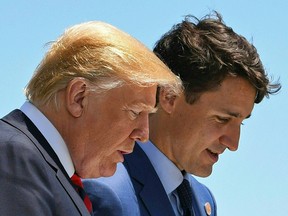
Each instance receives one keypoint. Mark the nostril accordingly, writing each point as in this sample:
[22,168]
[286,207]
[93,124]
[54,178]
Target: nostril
[144,139]
[228,143]
[140,135]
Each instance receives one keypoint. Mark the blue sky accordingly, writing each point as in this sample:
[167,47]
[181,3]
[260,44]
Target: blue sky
[251,181]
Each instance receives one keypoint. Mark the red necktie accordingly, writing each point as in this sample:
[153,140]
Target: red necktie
[79,188]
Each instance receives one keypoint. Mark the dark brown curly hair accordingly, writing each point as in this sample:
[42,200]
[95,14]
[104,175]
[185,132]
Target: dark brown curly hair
[203,53]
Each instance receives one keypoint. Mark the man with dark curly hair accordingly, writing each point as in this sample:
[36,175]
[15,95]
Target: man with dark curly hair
[223,78]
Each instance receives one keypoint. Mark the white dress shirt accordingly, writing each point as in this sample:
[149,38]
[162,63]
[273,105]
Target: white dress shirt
[169,175]
[51,135]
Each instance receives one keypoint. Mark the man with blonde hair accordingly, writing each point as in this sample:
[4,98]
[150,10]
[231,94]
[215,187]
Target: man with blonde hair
[88,102]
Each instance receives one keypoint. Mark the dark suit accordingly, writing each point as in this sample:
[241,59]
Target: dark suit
[136,189]
[32,179]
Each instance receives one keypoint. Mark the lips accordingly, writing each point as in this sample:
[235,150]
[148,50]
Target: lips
[125,152]
[127,149]
[121,157]
[121,153]
[213,155]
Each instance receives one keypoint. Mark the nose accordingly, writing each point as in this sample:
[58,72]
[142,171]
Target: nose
[230,138]
[141,132]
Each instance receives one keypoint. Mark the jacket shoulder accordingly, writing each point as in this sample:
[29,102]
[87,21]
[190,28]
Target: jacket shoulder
[204,199]
[112,195]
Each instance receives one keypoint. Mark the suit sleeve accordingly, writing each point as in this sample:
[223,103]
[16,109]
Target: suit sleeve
[113,196]
[104,200]
[23,180]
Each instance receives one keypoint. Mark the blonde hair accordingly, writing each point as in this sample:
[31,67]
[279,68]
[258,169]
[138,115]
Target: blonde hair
[102,54]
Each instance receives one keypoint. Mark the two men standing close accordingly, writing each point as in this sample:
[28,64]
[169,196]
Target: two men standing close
[89,100]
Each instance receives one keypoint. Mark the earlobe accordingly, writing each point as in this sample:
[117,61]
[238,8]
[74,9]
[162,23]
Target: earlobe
[76,93]
[167,101]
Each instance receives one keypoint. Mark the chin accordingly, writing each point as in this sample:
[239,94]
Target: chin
[108,171]
[202,172]
[205,173]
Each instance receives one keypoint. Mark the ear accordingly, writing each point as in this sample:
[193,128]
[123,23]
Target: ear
[76,96]
[167,100]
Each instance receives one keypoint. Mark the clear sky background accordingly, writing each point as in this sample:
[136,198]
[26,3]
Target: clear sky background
[252,181]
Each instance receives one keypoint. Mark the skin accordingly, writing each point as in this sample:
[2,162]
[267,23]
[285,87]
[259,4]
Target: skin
[99,128]
[196,134]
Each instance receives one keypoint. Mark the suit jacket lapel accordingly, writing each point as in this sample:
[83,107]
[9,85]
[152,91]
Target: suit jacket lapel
[149,190]
[20,121]
[201,197]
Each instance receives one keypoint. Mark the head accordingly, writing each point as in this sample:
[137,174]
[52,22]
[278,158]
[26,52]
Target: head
[222,76]
[97,85]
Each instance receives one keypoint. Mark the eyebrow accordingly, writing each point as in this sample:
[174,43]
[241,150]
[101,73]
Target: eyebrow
[142,107]
[236,115]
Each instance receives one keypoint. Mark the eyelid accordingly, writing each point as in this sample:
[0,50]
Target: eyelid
[222,119]
[135,112]
[132,114]
[140,109]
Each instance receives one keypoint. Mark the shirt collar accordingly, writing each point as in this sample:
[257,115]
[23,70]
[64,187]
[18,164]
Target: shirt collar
[51,135]
[169,175]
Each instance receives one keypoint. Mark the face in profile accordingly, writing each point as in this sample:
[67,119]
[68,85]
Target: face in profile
[202,131]
[113,121]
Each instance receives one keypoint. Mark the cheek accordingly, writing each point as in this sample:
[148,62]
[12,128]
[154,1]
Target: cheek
[108,134]
[194,139]
[213,132]
[115,138]
[123,129]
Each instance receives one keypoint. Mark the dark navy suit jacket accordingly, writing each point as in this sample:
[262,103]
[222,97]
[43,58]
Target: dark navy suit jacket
[136,190]
[32,179]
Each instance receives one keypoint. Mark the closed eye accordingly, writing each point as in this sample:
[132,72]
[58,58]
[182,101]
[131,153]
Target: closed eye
[134,114]
[222,120]
[136,110]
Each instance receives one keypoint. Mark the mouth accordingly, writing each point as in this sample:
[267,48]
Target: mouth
[121,160]
[125,152]
[122,153]
[128,150]
[213,155]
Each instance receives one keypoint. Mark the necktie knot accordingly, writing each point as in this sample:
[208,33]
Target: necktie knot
[78,185]
[185,196]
